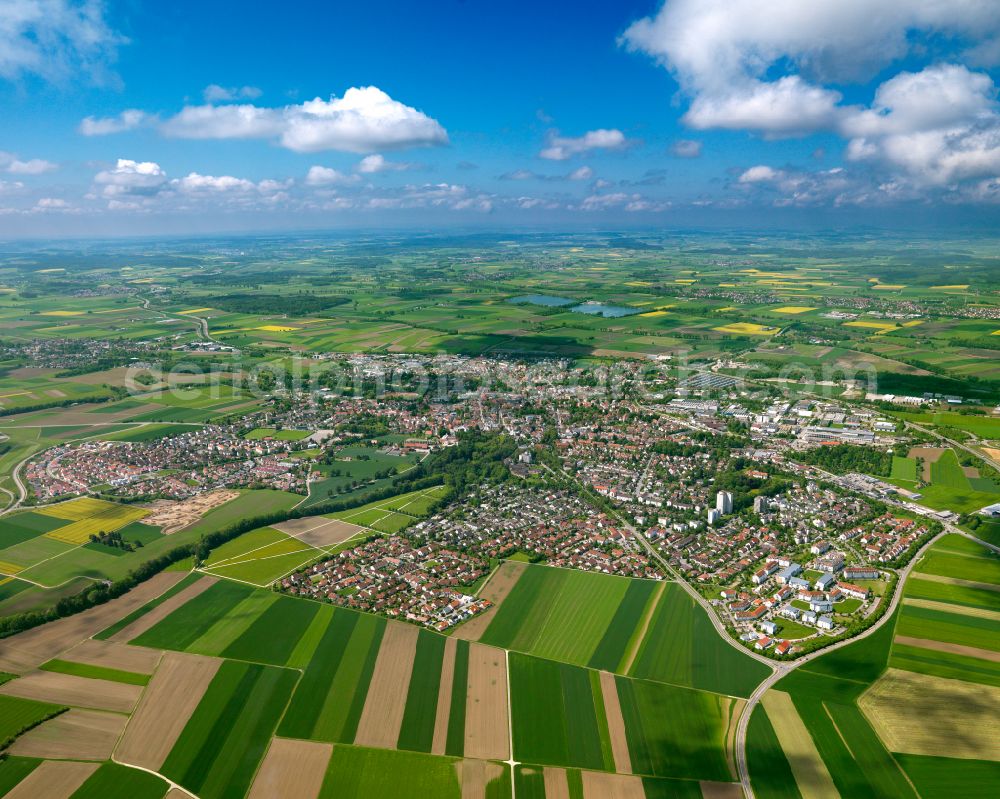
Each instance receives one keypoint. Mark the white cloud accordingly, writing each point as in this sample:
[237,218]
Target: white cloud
[938,126]
[214,93]
[56,39]
[129,119]
[561,148]
[581,173]
[209,184]
[49,203]
[131,178]
[362,121]
[35,166]
[325,176]
[686,148]
[759,174]
[724,52]
[372,164]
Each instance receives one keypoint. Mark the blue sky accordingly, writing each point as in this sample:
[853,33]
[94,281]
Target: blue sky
[127,116]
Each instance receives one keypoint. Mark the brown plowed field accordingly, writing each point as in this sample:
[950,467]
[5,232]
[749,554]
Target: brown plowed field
[167,703]
[487,733]
[386,700]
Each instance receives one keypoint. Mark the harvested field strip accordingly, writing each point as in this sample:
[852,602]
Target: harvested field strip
[611,786]
[674,732]
[18,714]
[558,716]
[114,781]
[138,621]
[811,775]
[616,724]
[947,660]
[951,628]
[28,650]
[937,578]
[186,624]
[486,718]
[917,588]
[75,734]
[292,768]
[53,779]
[330,697]
[618,647]
[382,717]
[443,698]
[455,742]
[922,715]
[114,656]
[419,718]
[166,705]
[226,737]
[949,607]
[74,691]
[95,672]
[272,636]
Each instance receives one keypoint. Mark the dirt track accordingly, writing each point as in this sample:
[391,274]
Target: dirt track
[291,768]
[486,725]
[166,705]
[28,650]
[383,714]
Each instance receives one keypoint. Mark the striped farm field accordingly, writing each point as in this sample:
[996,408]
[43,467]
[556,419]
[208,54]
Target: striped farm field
[259,557]
[226,737]
[17,715]
[565,614]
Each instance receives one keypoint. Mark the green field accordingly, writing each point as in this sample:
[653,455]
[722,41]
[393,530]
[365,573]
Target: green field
[682,647]
[361,773]
[222,744]
[95,672]
[675,732]
[563,614]
[18,715]
[113,781]
[558,714]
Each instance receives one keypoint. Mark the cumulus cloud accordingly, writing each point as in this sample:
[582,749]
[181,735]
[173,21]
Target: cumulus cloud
[364,120]
[628,202]
[129,119]
[773,67]
[214,93]
[131,178]
[372,164]
[13,165]
[580,173]
[325,176]
[938,126]
[562,148]
[686,148]
[56,39]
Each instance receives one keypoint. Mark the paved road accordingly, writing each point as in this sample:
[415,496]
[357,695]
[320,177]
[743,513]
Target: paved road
[784,668]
